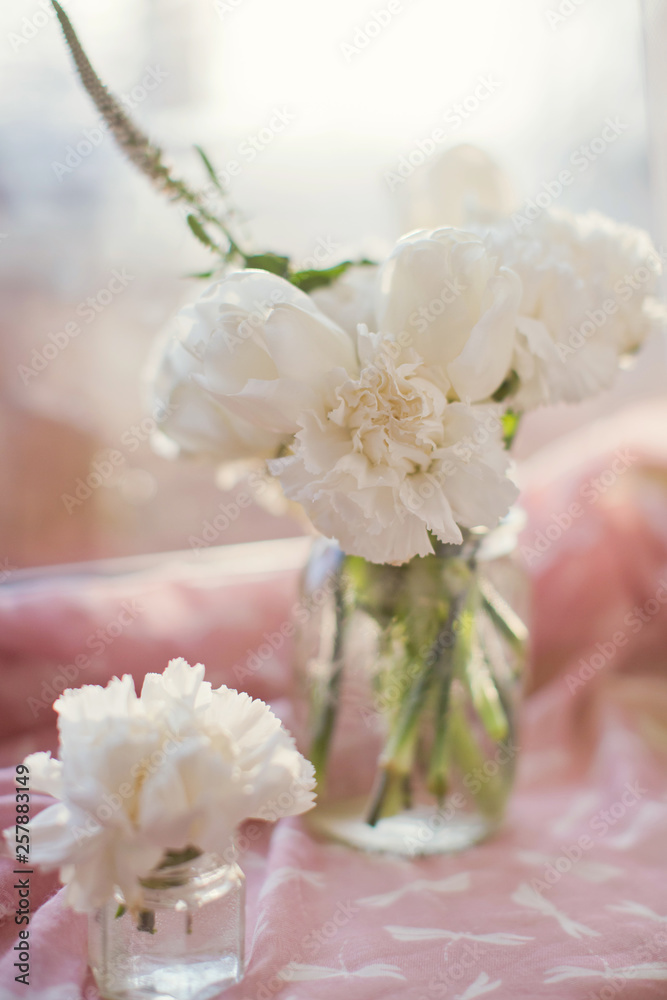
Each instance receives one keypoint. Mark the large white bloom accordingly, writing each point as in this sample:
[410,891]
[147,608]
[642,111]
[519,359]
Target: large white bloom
[443,294]
[588,287]
[180,766]
[384,458]
[239,365]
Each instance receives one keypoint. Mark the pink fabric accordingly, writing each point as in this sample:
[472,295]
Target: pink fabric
[568,902]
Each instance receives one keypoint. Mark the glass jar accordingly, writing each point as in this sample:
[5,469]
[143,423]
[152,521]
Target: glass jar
[411,676]
[185,944]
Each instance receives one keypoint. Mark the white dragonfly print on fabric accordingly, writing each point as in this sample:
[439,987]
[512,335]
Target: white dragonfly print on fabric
[581,807]
[438,934]
[298,972]
[646,970]
[287,874]
[637,910]
[644,821]
[525,895]
[589,871]
[455,883]
[481,986]
[262,925]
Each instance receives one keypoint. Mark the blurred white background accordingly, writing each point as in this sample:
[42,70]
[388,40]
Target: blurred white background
[356,97]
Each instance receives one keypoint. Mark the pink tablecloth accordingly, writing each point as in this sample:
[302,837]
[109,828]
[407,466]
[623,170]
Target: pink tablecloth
[569,902]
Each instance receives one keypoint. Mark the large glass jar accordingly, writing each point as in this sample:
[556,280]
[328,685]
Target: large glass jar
[185,944]
[411,676]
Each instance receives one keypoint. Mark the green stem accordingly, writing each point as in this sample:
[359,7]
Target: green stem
[484,694]
[504,616]
[398,755]
[452,665]
[489,791]
[324,725]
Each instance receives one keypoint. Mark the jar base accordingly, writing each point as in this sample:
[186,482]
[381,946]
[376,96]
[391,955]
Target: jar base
[411,833]
[200,980]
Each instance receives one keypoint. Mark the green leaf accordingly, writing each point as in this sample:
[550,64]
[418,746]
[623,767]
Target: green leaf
[199,231]
[272,262]
[308,281]
[210,169]
[200,274]
[121,911]
[181,857]
[510,421]
[507,388]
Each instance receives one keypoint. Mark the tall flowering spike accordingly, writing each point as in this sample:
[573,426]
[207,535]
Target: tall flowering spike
[138,147]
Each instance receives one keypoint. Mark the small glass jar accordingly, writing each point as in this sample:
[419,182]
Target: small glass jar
[185,944]
[411,677]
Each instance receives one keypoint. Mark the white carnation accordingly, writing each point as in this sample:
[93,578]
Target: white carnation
[384,458]
[180,766]
[588,287]
[238,366]
[443,294]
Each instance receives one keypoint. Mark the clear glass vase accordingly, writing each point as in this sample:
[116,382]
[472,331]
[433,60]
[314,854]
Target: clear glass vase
[410,678]
[185,944]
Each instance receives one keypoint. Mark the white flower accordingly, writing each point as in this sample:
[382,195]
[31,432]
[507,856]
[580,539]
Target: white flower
[458,185]
[242,363]
[180,766]
[384,458]
[588,284]
[443,294]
